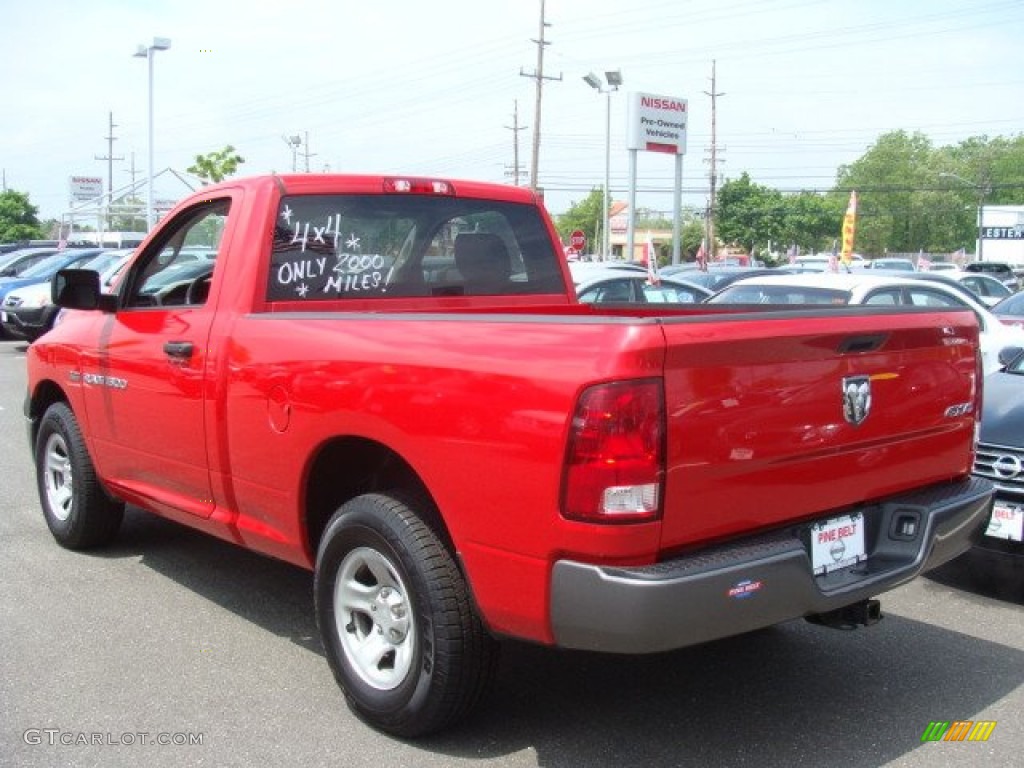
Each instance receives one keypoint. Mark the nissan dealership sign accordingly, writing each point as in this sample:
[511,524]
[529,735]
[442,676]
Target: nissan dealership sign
[657,123]
[82,188]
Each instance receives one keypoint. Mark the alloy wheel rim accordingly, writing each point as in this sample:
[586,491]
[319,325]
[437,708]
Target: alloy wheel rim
[58,477]
[374,619]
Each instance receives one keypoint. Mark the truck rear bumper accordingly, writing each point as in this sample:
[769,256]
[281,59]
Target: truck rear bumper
[760,580]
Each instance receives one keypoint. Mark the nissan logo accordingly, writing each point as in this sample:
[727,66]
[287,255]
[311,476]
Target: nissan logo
[1007,467]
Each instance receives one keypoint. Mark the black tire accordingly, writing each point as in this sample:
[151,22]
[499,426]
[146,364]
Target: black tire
[401,634]
[78,511]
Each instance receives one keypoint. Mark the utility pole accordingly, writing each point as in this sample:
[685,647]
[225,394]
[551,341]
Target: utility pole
[132,172]
[713,175]
[539,77]
[306,153]
[293,143]
[515,128]
[110,154]
[110,163]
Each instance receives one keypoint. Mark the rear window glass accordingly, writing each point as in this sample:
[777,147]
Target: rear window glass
[330,247]
[989,268]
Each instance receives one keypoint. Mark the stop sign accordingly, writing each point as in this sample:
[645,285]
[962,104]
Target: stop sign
[578,240]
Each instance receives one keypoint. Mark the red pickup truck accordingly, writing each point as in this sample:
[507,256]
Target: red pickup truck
[389,381]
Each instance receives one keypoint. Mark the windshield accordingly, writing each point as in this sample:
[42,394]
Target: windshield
[46,267]
[1011,305]
[903,264]
[9,258]
[779,294]
[989,268]
[104,261]
[1017,365]
[709,280]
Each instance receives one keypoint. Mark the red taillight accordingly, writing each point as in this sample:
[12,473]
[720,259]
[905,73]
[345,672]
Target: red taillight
[616,454]
[977,397]
[419,186]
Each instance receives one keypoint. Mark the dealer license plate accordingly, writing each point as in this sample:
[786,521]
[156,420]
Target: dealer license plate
[1007,522]
[837,543]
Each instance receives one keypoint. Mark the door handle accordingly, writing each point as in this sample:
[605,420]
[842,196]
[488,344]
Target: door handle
[178,349]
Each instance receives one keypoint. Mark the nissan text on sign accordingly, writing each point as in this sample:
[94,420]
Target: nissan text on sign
[657,123]
[82,188]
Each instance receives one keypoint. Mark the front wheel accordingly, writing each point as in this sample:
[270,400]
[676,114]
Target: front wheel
[78,511]
[396,620]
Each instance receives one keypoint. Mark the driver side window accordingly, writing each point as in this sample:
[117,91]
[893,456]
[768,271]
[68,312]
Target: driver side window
[177,269]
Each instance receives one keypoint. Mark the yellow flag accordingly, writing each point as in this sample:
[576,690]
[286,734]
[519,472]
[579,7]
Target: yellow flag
[849,227]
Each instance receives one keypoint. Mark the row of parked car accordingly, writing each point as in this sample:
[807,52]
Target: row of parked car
[26,311]
[26,308]
[998,309]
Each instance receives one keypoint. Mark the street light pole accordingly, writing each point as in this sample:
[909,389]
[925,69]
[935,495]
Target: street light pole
[146,52]
[606,216]
[982,190]
[614,80]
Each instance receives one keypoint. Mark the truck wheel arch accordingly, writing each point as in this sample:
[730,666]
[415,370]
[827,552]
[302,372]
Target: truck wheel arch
[369,466]
[46,394]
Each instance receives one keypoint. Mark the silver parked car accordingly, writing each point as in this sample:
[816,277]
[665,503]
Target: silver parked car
[879,290]
[615,286]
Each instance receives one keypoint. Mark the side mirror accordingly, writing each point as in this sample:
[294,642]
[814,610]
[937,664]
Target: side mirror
[80,289]
[1008,354]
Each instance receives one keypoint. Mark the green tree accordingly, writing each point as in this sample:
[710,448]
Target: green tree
[587,216]
[51,229]
[812,221]
[692,234]
[750,214]
[915,196]
[747,213]
[130,215]
[216,166]
[889,179]
[978,171]
[18,218]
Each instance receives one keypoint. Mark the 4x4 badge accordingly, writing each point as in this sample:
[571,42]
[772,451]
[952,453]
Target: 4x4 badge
[856,399]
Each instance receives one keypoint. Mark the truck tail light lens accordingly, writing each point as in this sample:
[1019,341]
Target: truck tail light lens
[615,461]
[419,187]
[978,394]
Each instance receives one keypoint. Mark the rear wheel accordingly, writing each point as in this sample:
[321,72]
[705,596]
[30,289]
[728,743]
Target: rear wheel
[78,511]
[400,632]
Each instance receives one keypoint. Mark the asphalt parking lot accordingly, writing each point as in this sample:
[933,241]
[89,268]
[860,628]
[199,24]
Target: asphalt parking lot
[172,648]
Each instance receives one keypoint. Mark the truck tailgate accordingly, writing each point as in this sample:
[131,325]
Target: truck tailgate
[782,417]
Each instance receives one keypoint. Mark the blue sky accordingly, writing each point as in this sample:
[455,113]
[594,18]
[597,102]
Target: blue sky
[429,88]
